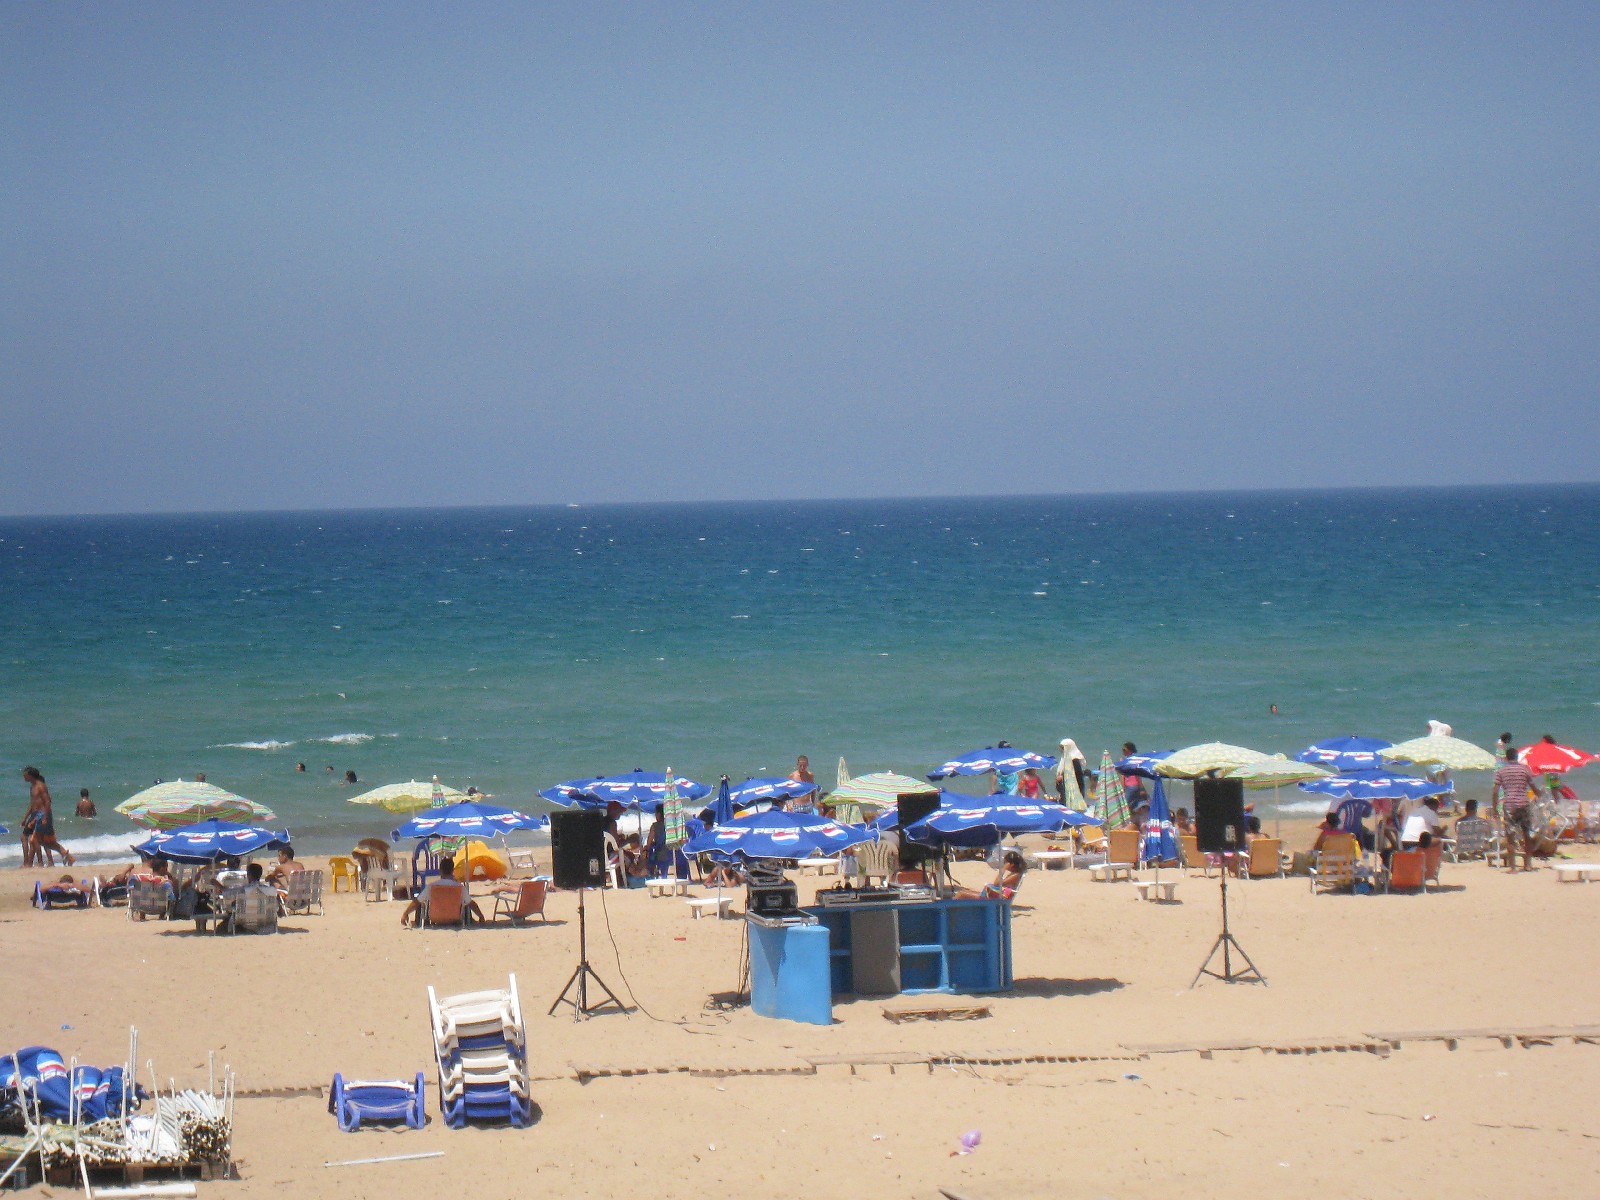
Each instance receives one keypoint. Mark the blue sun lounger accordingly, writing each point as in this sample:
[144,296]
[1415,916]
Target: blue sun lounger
[361,1100]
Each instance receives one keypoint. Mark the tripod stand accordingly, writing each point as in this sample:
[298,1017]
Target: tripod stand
[1227,943]
[578,982]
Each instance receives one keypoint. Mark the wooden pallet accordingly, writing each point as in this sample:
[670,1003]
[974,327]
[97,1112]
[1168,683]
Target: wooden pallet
[954,1013]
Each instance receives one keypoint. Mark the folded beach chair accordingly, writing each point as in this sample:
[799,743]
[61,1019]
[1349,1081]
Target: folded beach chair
[1266,858]
[63,895]
[1334,866]
[526,901]
[480,1047]
[303,893]
[1407,871]
[149,897]
[356,1100]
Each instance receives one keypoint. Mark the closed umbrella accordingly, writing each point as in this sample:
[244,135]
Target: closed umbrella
[722,807]
[184,802]
[1160,841]
[410,797]
[1113,800]
[207,841]
[674,833]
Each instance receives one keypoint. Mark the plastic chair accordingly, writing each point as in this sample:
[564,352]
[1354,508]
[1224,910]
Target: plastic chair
[1334,866]
[356,1100]
[342,867]
[1266,858]
[303,892]
[1407,870]
[521,904]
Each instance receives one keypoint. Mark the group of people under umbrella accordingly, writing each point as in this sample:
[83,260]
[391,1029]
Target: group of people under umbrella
[780,819]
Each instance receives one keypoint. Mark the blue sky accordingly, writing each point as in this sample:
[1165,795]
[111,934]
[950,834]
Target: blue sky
[305,256]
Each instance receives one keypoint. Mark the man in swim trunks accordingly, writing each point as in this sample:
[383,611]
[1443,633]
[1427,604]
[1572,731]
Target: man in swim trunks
[39,825]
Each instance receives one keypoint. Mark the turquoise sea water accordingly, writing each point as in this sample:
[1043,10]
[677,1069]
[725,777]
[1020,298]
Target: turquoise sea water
[514,648]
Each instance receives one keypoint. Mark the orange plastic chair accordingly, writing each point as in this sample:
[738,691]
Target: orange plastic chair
[342,867]
[526,901]
[1407,869]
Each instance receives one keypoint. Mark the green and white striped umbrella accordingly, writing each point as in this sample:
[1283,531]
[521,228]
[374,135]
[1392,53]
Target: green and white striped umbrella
[1450,753]
[1194,761]
[183,802]
[879,788]
[411,797]
[672,812]
[1113,801]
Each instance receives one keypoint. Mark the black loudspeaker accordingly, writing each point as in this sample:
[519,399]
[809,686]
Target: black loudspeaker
[913,806]
[1219,815]
[578,847]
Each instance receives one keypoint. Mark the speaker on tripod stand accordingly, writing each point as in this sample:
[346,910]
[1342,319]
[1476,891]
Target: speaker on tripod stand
[578,856]
[1219,829]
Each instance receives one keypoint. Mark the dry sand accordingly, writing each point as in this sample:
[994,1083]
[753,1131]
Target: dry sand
[1097,972]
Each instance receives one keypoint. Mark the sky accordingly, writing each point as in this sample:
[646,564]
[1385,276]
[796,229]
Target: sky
[275,256]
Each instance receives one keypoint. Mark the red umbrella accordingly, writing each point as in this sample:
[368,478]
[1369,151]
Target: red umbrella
[1547,758]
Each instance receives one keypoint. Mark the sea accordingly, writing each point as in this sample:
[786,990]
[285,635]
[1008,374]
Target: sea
[513,648]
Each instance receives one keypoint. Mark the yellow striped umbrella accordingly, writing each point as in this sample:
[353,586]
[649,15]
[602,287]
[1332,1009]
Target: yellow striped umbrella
[410,797]
[183,802]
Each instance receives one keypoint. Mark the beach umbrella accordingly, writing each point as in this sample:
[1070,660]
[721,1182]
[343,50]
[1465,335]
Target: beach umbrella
[207,841]
[1160,841]
[184,802]
[1350,753]
[1551,758]
[410,797]
[1441,751]
[1113,801]
[881,788]
[1004,760]
[777,834]
[1193,761]
[755,790]
[1377,784]
[1143,764]
[722,806]
[984,820]
[637,788]
[466,819]
[1273,773]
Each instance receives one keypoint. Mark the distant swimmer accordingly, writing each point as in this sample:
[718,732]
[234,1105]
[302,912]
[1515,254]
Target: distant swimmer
[85,805]
[199,776]
[1273,709]
[301,767]
[350,777]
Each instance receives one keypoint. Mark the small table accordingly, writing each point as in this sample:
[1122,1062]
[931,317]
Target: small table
[668,886]
[1054,860]
[1102,872]
[823,866]
[1577,872]
[700,905]
[1154,889]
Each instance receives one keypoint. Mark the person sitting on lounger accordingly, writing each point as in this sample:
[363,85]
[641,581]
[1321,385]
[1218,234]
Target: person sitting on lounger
[1006,881]
[412,916]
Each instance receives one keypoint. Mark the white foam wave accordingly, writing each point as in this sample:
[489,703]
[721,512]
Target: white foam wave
[102,847]
[269,744]
[345,739]
[1310,806]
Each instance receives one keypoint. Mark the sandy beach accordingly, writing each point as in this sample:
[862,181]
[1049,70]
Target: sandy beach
[1060,1078]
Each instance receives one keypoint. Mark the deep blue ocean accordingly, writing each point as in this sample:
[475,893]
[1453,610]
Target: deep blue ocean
[514,648]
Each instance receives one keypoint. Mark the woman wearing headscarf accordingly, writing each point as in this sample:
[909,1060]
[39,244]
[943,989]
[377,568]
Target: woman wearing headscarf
[1070,772]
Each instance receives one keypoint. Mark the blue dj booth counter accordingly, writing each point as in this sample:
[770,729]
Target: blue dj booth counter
[876,950]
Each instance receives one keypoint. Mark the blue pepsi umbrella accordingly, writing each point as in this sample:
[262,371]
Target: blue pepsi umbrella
[1346,753]
[1374,784]
[637,788]
[207,841]
[754,791]
[777,834]
[1004,759]
[466,819]
[1143,765]
[984,820]
[1160,840]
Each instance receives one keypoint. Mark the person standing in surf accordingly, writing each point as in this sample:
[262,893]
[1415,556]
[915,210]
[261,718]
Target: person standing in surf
[39,825]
